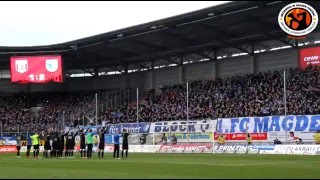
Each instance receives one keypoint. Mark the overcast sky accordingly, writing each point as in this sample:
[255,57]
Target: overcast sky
[45,23]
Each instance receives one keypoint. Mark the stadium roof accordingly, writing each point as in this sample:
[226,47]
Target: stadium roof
[230,27]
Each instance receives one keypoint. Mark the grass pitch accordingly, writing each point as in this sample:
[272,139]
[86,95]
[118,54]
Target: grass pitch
[163,166]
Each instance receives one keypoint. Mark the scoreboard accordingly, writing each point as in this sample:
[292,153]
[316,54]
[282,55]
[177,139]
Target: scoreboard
[36,69]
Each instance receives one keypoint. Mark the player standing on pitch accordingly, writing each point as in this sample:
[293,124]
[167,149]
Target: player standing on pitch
[47,146]
[29,144]
[83,143]
[55,144]
[101,142]
[18,139]
[125,143]
[61,142]
[116,142]
[70,144]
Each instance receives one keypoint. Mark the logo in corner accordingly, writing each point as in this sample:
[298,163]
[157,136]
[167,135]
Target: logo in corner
[298,19]
[52,65]
[21,66]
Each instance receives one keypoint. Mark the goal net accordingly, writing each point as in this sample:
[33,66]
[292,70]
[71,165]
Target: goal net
[190,137]
[168,137]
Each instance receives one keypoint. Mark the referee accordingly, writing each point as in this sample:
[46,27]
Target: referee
[116,143]
[125,144]
[35,144]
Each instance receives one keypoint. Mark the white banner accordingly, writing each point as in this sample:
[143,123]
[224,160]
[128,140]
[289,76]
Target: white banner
[201,126]
[303,149]
[284,128]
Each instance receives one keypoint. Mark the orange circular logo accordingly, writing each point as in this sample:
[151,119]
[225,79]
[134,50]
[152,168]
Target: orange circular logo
[298,19]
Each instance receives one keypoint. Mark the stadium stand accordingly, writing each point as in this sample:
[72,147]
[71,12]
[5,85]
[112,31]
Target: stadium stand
[237,96]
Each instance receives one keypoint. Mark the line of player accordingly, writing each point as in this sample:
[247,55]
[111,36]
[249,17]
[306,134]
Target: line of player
[56,143]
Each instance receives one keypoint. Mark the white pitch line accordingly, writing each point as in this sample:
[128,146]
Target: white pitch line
[181,163]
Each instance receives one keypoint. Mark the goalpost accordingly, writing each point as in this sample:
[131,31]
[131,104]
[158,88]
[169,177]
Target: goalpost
[192,137]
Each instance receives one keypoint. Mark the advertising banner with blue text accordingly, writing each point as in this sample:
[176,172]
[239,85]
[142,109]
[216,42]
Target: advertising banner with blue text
[129,127]
[286,128]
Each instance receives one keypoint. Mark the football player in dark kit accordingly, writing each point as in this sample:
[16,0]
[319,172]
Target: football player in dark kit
[55,145]
[29,144]
[61,141]
[101,143]
[47,146]
[125,144]
[83,143]
[70,144]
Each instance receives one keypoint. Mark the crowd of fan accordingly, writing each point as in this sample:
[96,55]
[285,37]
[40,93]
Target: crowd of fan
[18,116]
[239,96]
[260,94]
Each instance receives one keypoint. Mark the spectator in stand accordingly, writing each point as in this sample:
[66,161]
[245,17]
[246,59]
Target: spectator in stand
[258,94]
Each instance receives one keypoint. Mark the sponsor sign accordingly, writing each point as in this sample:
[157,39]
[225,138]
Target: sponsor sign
[135,148]
[186,148]
[302,149]
[144,148]
[131,128]
[182,127]
[14,149]
[309,56]
[290,127]
[242,136]
[4,149]
[193,137]
[231,148]
[293,150]
[263,146]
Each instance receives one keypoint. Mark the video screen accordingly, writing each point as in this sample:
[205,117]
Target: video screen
[36,69]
